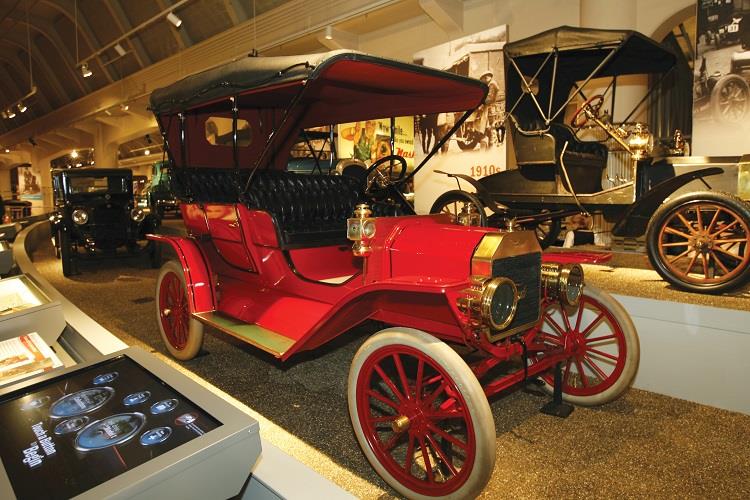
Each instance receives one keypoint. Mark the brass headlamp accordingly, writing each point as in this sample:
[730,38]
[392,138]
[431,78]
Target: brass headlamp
[361,229]
[564,283]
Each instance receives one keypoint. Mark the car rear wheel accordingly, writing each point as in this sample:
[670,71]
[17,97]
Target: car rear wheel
[181,333]
[700,242]
[463,207]
[602,344]
[421,416]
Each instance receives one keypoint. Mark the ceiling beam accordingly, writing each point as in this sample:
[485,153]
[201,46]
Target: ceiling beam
[48,31]
[124,25]
[448,14]
[67,9]
[41,62]
[14,63]
[334,39]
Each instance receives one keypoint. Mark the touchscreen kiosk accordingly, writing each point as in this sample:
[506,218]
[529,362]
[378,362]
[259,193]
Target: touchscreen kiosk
[125,425]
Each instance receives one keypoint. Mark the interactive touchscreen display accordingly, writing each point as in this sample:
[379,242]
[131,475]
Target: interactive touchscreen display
[66,435]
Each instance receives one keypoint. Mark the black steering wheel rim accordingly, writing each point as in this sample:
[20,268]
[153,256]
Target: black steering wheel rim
[587,104]
[380,161]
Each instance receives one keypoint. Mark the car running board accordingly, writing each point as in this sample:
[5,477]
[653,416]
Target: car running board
[258,336]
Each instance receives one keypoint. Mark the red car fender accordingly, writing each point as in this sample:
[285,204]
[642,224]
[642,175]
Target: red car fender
[196,270]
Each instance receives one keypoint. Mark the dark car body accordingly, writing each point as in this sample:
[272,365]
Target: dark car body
[95,210]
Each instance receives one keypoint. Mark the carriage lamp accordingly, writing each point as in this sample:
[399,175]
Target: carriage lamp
[492,301]
[640,141]
[80,216]
[361,229]
[137,214]
[564,283]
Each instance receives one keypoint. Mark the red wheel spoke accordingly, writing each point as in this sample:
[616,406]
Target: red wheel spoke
[581,373]
[426,458]
[409,454]
[380,420]
[441,455]
[591,326]
[389,383]
[595,367]
[382,399]
[440,432]
[444,415]
[393,441]
[554,324]
[420,374]
[599,339]
[551,338]
[580,314]
[427,402]
[566,320]
[603,354]
[402,376]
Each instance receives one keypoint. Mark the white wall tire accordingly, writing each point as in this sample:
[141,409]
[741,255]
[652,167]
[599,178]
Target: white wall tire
[181,333]
[460,453]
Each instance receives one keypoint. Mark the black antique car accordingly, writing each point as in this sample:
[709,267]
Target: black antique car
[95,211]
[697,238]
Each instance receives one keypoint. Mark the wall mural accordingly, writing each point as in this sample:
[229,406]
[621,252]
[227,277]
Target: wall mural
[721,94]
[478,148]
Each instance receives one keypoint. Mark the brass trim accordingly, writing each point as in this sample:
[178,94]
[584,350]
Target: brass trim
[501,245]
[262,338]
[558,280]
[485,305]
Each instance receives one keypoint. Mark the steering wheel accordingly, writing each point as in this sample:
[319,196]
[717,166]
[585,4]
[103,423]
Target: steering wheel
[380,178]
[592,105]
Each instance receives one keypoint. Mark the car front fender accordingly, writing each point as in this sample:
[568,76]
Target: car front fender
[197,273]
[635,219]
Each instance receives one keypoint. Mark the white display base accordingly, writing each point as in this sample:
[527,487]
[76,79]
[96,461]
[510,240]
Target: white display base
[693,352]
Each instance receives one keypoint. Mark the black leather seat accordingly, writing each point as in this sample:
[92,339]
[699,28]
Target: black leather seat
[308,210]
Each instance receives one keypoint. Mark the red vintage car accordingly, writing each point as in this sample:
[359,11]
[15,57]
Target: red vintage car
[288,261]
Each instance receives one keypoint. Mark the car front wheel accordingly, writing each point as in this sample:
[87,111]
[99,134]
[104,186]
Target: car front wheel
[700,242]
[421,416]
[181,333]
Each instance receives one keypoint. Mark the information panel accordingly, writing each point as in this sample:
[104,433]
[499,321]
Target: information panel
[66,435]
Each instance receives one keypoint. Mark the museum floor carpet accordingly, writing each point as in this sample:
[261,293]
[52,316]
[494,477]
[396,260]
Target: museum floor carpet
[643,445]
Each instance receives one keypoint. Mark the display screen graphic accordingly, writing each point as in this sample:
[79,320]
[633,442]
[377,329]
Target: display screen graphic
[66,435]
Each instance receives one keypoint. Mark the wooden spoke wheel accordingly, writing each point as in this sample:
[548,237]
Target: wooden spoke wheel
[182,334]
[699,242]
[730,99]
[463,207]
[600,341]
[421,416]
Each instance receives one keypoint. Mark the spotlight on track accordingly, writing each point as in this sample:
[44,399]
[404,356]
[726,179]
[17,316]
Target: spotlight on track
[172,18]
[85,71]
[120,51]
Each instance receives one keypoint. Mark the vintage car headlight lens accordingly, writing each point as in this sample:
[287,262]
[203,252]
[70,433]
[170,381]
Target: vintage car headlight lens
[137,214]
[499,302]
[368,228]
[80,216]
[564,283]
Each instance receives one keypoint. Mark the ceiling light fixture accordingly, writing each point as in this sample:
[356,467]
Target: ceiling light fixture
[7,150]
[124,107]
[329,33]
[85,71]
[172,18]
[10,113]
[147,152]
[21,107]
[120,51]
[74,154]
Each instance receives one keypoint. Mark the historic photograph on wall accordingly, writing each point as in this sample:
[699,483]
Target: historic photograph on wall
[478,147]
[721,94]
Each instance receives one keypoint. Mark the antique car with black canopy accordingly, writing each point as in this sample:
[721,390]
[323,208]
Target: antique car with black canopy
[696,237]
[287,262]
